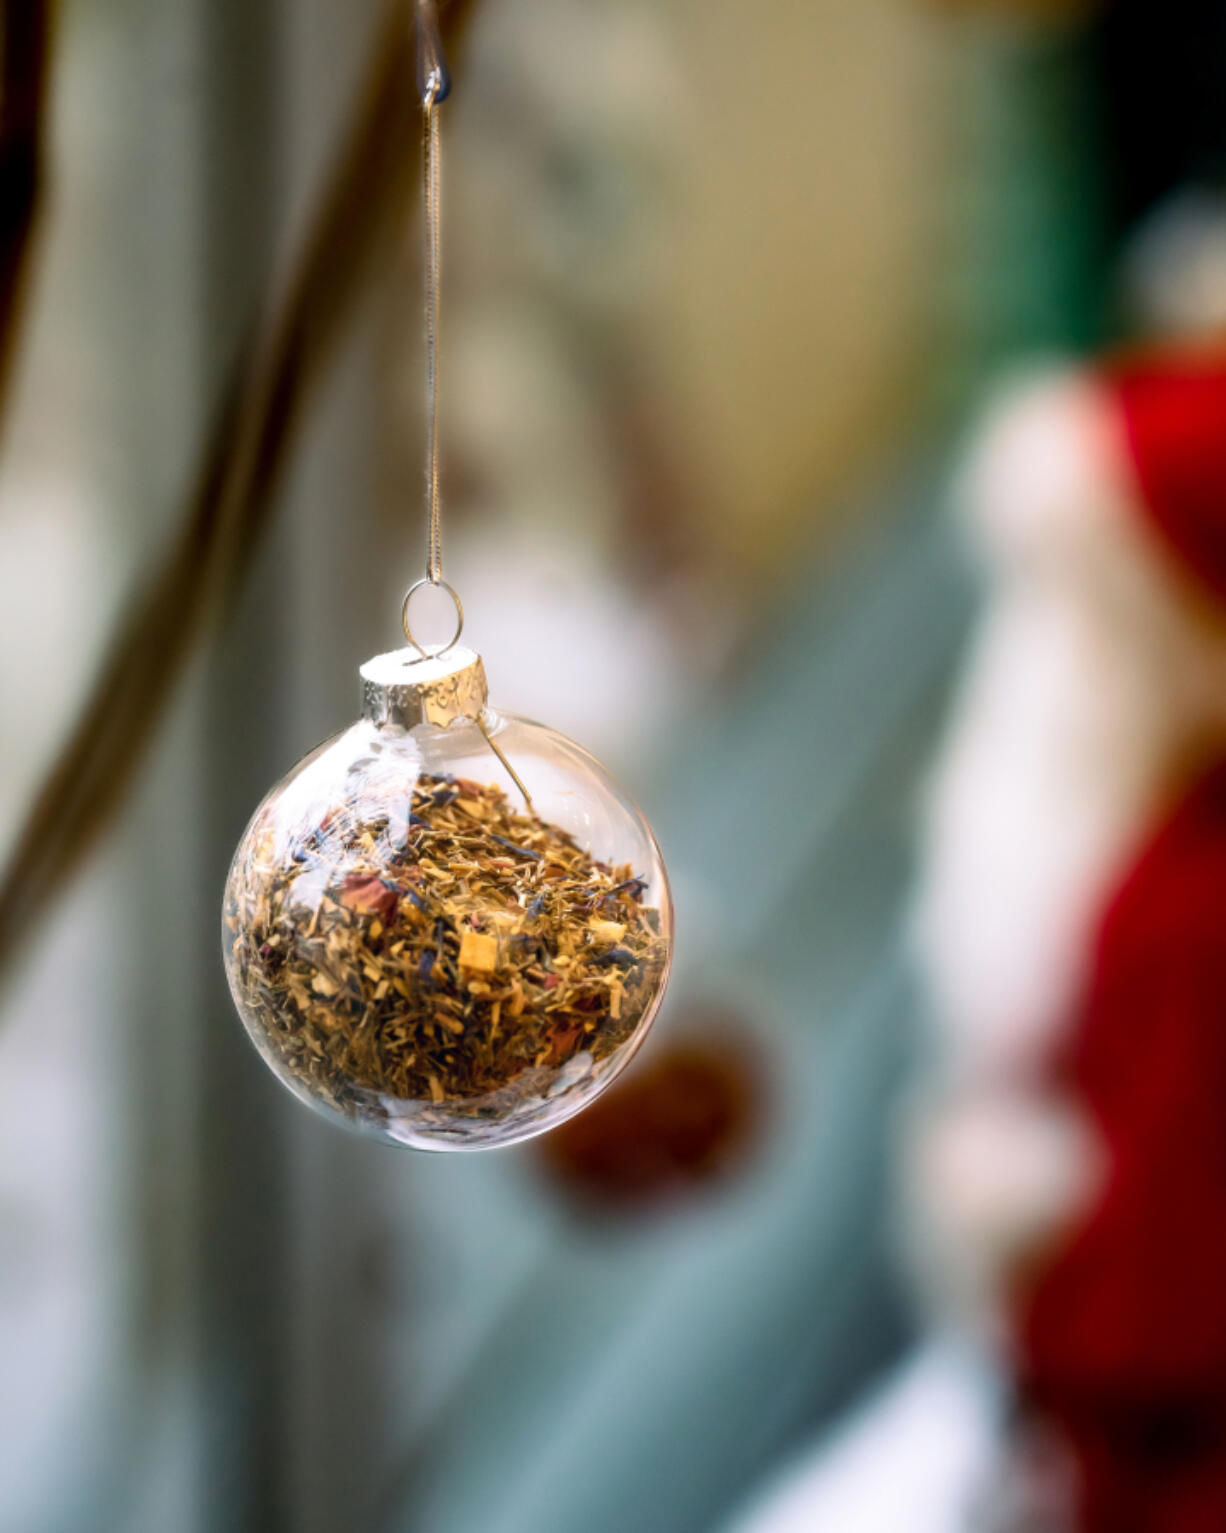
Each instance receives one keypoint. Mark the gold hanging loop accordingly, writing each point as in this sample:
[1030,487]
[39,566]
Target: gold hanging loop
[428,654]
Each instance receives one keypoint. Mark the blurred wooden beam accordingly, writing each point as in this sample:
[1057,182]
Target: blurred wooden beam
[232,498]
[25,49]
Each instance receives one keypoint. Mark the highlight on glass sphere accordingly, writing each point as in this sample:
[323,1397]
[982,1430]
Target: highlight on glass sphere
[447,927]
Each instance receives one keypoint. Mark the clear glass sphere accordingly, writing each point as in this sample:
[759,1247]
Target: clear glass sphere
[422,954]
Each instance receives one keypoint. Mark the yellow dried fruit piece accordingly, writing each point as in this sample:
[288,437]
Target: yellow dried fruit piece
[478,953]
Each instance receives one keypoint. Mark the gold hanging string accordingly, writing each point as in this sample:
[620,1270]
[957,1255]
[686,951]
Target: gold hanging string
[434,82]
[431,157]
[433,87]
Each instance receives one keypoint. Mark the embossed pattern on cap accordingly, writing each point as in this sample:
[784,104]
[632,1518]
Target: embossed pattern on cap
[402,688]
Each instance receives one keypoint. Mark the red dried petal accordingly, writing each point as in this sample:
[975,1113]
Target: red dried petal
[368,895]
[562,1043]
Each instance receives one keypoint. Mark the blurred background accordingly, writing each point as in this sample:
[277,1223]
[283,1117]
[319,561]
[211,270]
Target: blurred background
[728,289]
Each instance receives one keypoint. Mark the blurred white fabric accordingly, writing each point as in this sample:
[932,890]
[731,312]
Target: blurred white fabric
[914,1458]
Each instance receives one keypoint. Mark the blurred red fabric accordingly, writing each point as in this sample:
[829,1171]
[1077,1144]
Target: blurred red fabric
[1124,1334]
[1123,1331]
[1175,419]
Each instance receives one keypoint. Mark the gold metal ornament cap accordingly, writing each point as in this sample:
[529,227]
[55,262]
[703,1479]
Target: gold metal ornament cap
[403,688]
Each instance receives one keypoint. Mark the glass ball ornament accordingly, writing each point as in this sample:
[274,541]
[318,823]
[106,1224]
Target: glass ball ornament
[447,927]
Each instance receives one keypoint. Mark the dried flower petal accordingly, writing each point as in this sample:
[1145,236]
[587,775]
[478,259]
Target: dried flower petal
[369,895]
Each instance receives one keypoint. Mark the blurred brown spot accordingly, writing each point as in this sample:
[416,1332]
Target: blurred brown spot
[681,1123]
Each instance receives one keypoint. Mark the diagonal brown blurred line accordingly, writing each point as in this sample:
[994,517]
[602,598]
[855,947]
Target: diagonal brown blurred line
[25,49]
[233,494]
